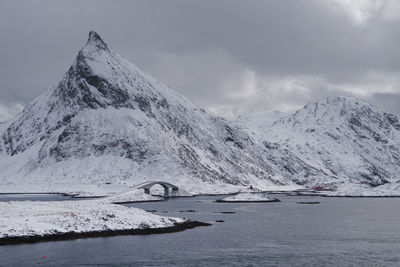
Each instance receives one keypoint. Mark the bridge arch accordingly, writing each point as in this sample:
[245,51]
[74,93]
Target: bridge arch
[167,186]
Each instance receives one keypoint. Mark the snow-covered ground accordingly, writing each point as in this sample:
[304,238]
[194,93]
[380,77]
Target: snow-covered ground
[27,218]
[124,193]
[99,190]
[249,197]
[132,195]
[354,190]
[76,189]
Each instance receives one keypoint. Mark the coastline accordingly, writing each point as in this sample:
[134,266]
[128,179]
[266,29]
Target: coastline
[177,227]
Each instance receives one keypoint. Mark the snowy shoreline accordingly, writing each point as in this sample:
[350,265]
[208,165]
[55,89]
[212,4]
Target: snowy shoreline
[248,197]
[34,221]
[37,221]
[177,227]
[308,193]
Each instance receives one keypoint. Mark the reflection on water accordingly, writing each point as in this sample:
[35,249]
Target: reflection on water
[336,232]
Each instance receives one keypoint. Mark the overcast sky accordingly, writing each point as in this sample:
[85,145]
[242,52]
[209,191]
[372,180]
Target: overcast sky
[232,57]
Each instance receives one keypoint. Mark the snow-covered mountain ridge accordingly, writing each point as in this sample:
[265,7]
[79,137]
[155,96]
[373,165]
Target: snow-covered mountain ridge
[353,142]
[107,121]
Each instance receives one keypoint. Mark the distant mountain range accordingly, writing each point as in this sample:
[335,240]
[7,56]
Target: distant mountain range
[106,121]
[351,141]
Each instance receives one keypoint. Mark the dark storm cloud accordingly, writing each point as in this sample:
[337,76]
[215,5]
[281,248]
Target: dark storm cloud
[230,56]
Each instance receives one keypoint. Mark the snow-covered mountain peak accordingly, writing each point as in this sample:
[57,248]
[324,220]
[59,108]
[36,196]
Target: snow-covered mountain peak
[95,40]
[107,120]
[339,111]
[96,51]
[346,137]
[101,78]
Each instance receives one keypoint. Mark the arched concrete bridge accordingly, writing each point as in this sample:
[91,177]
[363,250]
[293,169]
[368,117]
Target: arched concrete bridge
[147,185]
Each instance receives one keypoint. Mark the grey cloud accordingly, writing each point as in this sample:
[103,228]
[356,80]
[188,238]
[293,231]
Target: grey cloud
[205,49]
[9,111]
[388,101]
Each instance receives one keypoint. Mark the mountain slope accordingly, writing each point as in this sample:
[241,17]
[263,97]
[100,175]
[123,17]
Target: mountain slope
[259,123]
[347,138]
[107,121]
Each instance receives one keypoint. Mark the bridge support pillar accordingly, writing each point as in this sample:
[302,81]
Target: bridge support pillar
[166,192]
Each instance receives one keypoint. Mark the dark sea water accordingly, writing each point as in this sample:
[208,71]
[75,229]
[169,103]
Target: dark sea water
[336,232]
[33,197]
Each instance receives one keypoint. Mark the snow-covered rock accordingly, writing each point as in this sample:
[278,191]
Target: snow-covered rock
[107,121]
[26,218]
[249,197]
[353,144]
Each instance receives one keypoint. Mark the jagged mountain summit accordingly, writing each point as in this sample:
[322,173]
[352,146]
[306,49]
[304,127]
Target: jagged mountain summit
[107,121]
[354,143]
